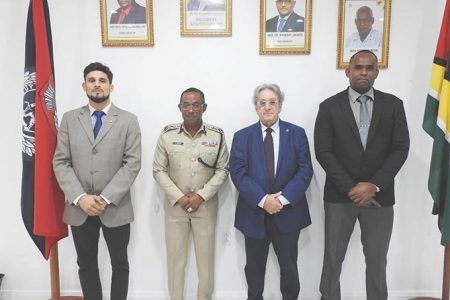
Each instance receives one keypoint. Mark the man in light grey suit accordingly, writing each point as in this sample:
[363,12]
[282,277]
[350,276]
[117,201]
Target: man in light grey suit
[97,158]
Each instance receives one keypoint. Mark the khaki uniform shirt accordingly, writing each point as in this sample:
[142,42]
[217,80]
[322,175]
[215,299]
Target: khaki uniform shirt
[177,167]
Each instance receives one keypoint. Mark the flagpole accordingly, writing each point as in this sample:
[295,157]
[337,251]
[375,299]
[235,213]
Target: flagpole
[54,277]
[445,278]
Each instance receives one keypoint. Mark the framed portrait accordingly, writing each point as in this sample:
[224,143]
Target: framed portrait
[285,27]
[127,22]
[363,24]
[205,17]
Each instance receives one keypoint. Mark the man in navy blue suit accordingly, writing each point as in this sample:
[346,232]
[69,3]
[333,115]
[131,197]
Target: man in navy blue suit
[270,165]
[287,20]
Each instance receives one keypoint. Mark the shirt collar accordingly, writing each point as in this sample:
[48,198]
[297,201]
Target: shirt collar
[275,127]
[126,11]
[354,95]
[202,128]
[105,110]
[285,17]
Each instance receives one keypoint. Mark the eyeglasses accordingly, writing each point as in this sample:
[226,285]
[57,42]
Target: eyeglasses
[270,102]
[195,106]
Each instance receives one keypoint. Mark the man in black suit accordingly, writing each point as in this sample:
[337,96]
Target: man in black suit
[129,12]
[361,140]
[288,20]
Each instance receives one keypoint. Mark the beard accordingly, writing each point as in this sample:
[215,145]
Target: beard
[98,99]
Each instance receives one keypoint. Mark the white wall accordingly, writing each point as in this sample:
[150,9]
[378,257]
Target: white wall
[148,82]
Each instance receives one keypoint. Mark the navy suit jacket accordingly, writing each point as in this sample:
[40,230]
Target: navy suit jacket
[249,175]
[137,15]
[341,154]
[295,23]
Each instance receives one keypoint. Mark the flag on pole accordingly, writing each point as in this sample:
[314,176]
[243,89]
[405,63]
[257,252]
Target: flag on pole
[436,123]
[42,200]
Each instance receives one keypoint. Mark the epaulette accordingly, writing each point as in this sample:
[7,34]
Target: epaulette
[214,128]
[171,127]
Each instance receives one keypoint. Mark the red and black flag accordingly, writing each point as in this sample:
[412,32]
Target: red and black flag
[42,200]
[436,123]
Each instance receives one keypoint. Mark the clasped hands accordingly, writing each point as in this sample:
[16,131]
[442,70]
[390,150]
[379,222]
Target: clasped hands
[363,194]
[272,204]
[93,205]
[190,202]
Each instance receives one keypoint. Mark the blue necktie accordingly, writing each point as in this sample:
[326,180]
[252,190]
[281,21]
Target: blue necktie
[98,121]
[281,23]
[364,119]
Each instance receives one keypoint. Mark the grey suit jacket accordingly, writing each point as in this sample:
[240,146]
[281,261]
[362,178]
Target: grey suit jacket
[106,165]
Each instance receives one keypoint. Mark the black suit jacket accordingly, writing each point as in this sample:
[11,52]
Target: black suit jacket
[341,154]
[137,15]
[294,23]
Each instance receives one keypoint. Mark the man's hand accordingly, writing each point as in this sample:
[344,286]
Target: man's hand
[272,204]
[92,205]
[184,202]
[195,201]
[363,194]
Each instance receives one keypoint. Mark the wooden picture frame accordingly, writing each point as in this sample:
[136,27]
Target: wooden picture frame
[293,36]
[363,24]
[205,17]
[127,26]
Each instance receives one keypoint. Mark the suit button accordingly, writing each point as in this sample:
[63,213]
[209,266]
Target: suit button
[92,172]
[94,151]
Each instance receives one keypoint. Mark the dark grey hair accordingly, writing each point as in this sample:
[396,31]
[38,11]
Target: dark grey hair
[268,86]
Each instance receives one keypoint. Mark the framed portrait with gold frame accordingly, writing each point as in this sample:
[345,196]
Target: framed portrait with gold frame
[363,24]
[285,27]
[205,17]
[127,22]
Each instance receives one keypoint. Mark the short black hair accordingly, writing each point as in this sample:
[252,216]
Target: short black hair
[193,90]
[96,66]
[363,51]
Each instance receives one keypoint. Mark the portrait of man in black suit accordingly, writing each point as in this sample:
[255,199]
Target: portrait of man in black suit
[287,20]
[361,141]
[129,12]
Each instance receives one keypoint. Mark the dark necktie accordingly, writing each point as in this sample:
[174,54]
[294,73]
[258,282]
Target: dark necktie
[98,121]
[269,155]
[364,119]
[281,23]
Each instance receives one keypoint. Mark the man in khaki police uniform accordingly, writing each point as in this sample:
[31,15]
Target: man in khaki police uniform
[190,164]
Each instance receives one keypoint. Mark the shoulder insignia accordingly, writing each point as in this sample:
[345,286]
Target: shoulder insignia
[214,128]
[171,127]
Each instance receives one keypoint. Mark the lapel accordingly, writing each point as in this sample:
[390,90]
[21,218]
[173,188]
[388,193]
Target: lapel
[86,123]
[108,123]
[285,134]
[344,106]
[258,146]
[256,152]
[376,115]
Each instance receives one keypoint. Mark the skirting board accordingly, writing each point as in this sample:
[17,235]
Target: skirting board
[238,295]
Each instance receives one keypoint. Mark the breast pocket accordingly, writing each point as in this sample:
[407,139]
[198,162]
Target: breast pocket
[209,157]
[177,160]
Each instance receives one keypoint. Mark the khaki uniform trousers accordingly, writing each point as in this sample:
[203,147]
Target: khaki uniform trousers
[179,225]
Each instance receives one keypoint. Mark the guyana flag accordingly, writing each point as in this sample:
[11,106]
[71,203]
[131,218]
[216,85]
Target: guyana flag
[42,200]
[436,123]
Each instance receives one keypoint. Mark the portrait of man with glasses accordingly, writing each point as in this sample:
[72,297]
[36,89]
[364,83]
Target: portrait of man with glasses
[286,20]
[190,165]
